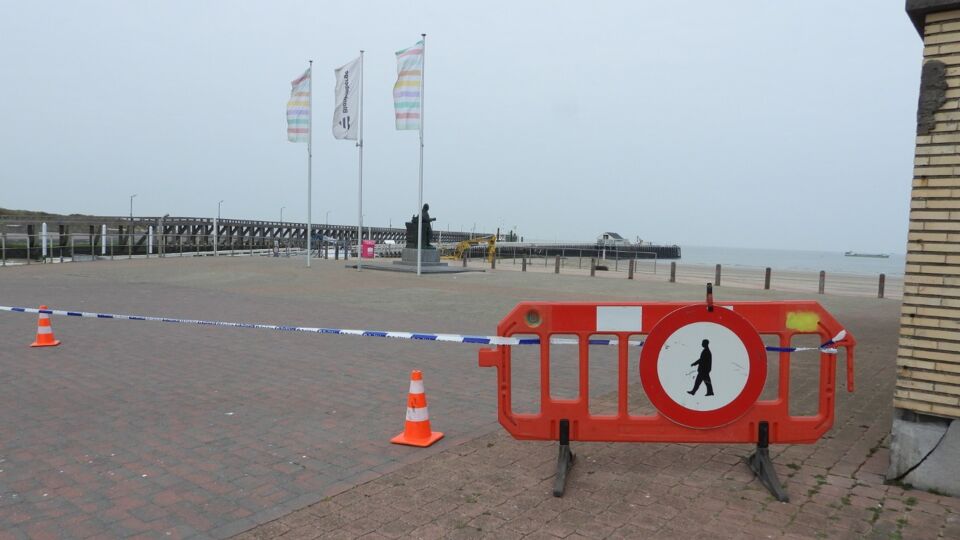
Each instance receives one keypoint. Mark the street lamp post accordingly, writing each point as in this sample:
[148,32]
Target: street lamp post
[281,214]
[129,233]
[327,219]
[216,228]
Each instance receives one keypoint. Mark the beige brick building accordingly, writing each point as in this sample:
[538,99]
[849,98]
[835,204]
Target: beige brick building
[925,443]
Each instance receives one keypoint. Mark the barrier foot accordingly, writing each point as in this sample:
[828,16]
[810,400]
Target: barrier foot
[565,460]
[762,467]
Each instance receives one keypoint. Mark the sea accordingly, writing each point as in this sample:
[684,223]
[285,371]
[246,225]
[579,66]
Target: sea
[800,260]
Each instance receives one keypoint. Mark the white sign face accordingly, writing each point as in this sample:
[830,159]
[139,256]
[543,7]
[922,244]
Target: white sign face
[703,377]
[619,318]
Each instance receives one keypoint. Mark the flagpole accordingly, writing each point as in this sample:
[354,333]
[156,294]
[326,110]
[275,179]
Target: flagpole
[423,70]
[310,168]
[360,188]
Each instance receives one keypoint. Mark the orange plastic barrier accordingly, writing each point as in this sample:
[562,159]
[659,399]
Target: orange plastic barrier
[671,334]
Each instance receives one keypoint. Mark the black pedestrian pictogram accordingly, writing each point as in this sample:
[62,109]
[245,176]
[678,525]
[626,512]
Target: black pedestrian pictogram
[704,365]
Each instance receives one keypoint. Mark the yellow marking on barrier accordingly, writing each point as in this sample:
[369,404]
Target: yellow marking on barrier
[803,321]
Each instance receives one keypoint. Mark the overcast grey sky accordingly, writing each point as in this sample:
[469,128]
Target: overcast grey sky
[738,123]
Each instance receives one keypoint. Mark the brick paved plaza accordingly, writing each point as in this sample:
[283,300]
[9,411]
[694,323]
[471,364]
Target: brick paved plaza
[139,429]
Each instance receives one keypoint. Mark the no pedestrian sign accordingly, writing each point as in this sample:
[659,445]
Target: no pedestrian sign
[703,369]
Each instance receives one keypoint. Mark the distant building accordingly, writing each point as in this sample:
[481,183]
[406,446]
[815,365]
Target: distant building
[612,239]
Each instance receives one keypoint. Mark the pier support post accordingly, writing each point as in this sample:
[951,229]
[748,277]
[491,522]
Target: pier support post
[880,285]
[673,271]
[62,238]
[823,282]
[766,279]
[716,280]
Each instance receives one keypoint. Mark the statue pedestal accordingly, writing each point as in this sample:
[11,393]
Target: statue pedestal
[428,257]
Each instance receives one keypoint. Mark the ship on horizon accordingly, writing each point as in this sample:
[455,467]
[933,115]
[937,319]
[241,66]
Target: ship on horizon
[872,255]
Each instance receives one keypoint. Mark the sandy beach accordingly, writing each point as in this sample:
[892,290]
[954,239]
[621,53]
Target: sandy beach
[731,276]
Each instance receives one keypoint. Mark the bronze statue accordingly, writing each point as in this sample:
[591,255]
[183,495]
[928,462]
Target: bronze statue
[427,229]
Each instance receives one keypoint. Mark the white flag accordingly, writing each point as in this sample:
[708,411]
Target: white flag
[346,113]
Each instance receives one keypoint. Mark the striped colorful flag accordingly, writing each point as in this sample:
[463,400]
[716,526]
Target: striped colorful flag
[407,92]
[298,109]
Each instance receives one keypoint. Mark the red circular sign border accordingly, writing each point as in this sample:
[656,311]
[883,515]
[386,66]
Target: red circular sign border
[650,355]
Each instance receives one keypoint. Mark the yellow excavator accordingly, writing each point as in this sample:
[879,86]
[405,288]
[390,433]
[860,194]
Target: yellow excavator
[464,246]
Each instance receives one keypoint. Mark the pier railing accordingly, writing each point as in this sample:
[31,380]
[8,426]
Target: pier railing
[613,262]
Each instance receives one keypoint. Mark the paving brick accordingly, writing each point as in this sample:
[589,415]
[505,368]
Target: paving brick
[311,416]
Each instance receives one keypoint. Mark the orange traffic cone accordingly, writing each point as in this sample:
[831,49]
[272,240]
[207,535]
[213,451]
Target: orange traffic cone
[44,332]
[416,431]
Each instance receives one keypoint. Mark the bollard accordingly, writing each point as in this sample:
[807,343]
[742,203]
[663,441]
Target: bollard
[493,262]
[823,281]
[716,279]
[593,267]
[3,248]
[73,255]
[556,265]
[766,279]
[523,264]
[673,271]
[883,280]
[28,248]
[464,259]
[630,268]
[336,252]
